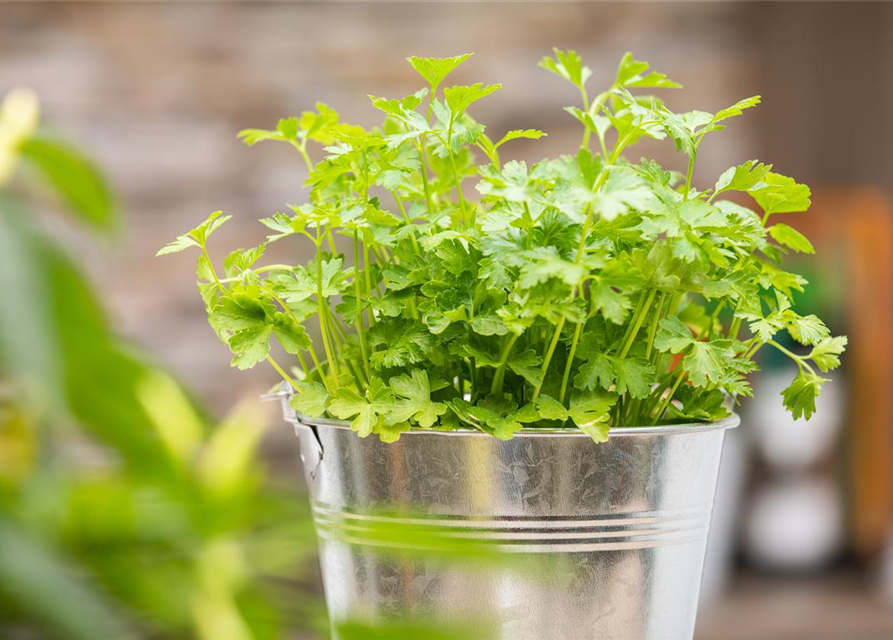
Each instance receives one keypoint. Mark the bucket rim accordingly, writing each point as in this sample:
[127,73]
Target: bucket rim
[729,422]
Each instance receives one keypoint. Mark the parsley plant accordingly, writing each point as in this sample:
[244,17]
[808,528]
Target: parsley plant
[583,290]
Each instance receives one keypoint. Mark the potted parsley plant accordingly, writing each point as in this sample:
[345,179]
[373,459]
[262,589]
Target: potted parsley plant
[556,344]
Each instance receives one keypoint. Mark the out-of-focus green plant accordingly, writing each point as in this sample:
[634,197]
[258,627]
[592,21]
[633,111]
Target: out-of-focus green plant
[123,512]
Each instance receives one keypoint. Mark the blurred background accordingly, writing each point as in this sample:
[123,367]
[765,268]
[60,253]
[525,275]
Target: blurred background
[108,525]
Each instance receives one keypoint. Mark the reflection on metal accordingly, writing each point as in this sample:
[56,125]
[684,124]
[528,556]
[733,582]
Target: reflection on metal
[617,531]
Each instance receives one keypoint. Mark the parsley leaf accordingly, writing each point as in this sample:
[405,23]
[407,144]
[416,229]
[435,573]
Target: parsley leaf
[414,400]
[799,397]
[368,412]
[435,70]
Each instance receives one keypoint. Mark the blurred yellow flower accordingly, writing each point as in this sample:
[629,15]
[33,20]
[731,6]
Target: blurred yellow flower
[19,115]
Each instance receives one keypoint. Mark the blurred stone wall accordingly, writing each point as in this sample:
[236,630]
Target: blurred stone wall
[159,91]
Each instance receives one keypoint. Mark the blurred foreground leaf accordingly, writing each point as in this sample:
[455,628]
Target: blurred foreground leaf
[29,338]
[76,180]
[355,630]
[41,583]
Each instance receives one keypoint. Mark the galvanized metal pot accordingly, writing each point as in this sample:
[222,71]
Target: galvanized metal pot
[618,530]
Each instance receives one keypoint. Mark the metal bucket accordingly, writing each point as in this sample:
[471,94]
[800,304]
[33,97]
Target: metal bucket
[618,530]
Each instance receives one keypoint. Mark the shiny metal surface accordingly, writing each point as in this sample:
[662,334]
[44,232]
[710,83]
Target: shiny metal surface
[618,530]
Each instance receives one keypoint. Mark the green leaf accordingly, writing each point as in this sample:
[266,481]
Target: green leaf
[780,194]
[367,412]
[790,238]
[744,177]
[321,126]
[808,330]
[414,400]
[460,98]
[624,191]
[488,325]
[550,409]
[595,372]
[545,265]
[591,411]
[283,225]
[302,283]
[77,181]
[404,342]
[250,346]
[294,286]
[615,306]
[707,362]
[435,70]
[287,129]
[699,405]
[634,376]
[568,65]
[826,354]
[596,124]
[631,73]
[515,134]
[673,336]
[401,109]
[527,365]
[311,400]
[197,237]
[291,335]
[238,312]
[799,398]
[486,419]
[736,109]
[238,261]
[766,328]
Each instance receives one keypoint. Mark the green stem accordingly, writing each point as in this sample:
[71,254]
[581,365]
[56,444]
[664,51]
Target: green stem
[705,332]
[691,166]
[287,310]
[339,338]
[638,324]
[752,350]
[318,365]
[321,311]
[213,270]
[423,154]
[735,328]
[415,244]
[662,407]
[367,274]
[548,358]
[586,132]
[578,330]
[449,146]
[629,328]
[359,294]
[282,373]
[800,360]
[302,148]
[269,267]
[652,330]
[584,233]
[499,376]
[303,363]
